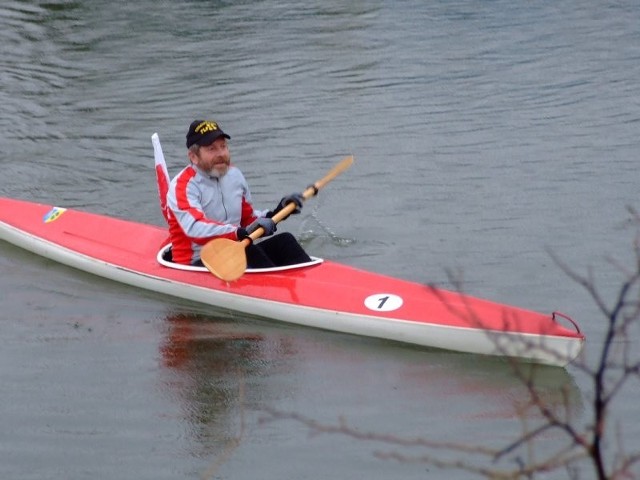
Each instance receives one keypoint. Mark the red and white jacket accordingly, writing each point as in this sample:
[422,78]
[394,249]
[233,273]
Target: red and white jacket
[202,207]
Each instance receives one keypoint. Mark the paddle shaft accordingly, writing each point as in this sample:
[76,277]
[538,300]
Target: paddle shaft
[310,191]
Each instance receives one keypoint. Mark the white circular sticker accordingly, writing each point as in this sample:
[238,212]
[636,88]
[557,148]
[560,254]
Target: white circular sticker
[383,302]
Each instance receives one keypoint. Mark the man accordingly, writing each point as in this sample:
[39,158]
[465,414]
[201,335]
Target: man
[210,198]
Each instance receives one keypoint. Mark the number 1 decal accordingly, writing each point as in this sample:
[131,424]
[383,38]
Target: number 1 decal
[383,302]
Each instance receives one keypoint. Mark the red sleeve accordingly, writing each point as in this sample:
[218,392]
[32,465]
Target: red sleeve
[248,216]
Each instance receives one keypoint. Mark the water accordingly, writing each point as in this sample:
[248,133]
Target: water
[486,134]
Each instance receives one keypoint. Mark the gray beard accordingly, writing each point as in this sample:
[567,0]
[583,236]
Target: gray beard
[216,174]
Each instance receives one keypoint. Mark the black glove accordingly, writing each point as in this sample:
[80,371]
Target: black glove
[296,198]
[268,225]
[241,234]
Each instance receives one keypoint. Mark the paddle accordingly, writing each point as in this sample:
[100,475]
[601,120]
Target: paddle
[227,259]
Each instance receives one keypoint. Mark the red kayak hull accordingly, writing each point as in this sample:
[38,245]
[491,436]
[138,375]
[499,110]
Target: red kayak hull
[325,295]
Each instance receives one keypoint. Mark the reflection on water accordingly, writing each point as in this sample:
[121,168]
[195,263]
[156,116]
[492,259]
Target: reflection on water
[218,370]
[223,371]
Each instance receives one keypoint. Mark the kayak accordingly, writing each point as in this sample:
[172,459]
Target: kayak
[320,293]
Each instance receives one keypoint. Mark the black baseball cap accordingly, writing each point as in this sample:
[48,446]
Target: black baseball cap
[204,132]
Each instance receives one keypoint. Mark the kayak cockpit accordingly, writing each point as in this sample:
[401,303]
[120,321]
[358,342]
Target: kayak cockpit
[165,259]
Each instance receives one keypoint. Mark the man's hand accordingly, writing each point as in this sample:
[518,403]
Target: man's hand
[267,224]
[295,198]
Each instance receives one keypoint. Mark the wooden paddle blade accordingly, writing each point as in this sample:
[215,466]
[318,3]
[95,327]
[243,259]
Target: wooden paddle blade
[225,258]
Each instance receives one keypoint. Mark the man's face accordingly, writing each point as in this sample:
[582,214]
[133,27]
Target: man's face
[213,159]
